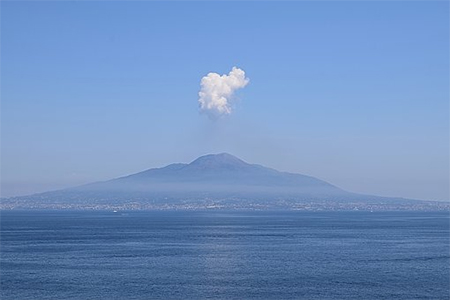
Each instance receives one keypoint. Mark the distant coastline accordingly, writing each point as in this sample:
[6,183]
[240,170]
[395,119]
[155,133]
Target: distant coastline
[20,204]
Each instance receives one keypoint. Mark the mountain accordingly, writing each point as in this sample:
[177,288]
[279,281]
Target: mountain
[210,181]
[216,176]
[213,171]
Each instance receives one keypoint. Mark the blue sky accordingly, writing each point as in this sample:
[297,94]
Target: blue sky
[355,93]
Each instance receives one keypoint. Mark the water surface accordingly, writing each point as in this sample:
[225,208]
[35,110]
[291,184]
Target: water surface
[224,255]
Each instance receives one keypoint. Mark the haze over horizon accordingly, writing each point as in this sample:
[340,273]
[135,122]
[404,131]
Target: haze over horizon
[360,101]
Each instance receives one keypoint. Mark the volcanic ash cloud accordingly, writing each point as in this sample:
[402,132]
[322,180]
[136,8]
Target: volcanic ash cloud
[217,91]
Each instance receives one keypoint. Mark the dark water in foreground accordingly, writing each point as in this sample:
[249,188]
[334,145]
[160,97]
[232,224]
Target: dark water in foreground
[224,255]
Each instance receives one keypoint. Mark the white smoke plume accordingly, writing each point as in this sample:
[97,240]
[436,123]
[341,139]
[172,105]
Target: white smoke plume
[217,91]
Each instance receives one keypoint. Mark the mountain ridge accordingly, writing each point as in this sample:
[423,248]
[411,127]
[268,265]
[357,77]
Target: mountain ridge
[225,168]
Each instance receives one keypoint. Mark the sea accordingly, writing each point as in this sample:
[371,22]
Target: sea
[224,255]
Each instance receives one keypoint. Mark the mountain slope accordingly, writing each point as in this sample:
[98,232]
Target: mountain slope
[225,169]
[217,173]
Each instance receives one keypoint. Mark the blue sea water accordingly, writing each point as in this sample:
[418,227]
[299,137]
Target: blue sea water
[224,255]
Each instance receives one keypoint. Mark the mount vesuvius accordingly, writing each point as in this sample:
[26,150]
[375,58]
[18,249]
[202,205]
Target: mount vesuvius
[211,181]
